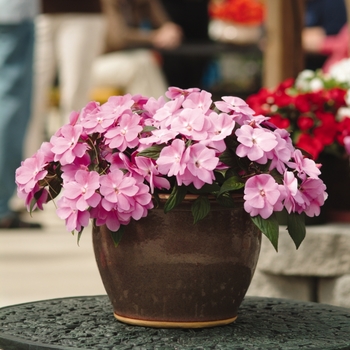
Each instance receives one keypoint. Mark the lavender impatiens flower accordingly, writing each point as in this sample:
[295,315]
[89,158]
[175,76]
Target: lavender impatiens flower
[263,195]
[83,189]
[255,143]
[66,146]
[111,163]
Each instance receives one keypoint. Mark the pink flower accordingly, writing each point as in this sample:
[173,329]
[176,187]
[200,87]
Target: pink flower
[159,136]
[35,198]
[255,143]
[262,196]
[175,92]
[103,217]
[222,126]
[236,106]
[73,118]
[148,170]
[74,218]
[111,158]
[117,105]
[304,166]
[98,122]
[46,150]
[198,99]
[143,202]
[118,191]
[280,155]
[314,195]
[191,123]
[30,172]
[125,134]
[293,198]
[113,219]
[67,147]
[200,165]
[91,108]
[153,105]
[172,160]
[166,114]
[69,170]
[120,161]
[102,119]
[83,189]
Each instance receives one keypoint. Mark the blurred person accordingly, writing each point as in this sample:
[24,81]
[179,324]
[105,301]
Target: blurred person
[69,36]
[192,16]
[134,27]
[16,73]
[325,37]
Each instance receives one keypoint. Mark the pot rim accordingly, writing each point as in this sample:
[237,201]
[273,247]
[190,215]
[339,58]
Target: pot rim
[192,197]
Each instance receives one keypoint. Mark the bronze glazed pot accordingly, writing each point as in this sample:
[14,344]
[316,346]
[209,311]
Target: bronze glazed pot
[168,272]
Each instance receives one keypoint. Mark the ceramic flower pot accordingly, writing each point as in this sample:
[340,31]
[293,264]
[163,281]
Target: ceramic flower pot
[168,272]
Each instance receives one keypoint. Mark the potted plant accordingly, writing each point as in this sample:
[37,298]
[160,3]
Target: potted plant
[186,168]
[315,109]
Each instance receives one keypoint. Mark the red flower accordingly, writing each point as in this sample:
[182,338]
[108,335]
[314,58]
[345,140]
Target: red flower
[302,103]
[261,102]
[310,144]
[279,121]
[327,128]
[325,135]
[286,84]
[305,123]
[310,116]
[343,130]
[336,98]
[282,99]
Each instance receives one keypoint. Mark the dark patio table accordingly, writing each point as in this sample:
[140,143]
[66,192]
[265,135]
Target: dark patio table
[88,323]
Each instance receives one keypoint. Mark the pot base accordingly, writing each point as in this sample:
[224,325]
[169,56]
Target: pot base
[165,324]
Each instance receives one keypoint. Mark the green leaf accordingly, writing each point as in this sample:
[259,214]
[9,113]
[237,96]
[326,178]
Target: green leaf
[296,228]
[151,152]
[226,200]
[79,235]
[220,173]
[228,157]
[230,172]
[269,227]
[148,128]
[156,199]
[55,186]
[231,144]
[176,197]
[117,235]
[200,208]
[231,184]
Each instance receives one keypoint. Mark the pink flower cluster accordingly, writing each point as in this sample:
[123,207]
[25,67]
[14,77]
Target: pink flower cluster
[110,159]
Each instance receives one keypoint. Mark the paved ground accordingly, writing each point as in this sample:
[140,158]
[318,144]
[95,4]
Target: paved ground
[46,264]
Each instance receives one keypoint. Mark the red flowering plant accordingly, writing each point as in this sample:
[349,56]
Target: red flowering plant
[111,161]
[313,108]
[248,12]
